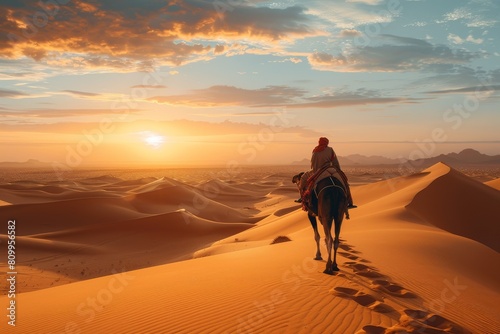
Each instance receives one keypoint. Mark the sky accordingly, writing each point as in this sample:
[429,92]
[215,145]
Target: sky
[230,82]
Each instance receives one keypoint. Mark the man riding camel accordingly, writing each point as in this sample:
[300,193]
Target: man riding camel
[323,157]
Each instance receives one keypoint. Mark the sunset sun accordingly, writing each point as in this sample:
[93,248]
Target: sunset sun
[153,139]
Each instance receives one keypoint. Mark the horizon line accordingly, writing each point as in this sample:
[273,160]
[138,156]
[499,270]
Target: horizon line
[224,164]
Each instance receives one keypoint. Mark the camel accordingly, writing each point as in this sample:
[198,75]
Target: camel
[329,203]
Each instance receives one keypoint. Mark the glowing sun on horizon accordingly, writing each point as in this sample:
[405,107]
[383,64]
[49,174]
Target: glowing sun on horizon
[153,139]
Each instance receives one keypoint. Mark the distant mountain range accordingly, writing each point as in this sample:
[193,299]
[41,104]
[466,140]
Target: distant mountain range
[31,163]
[467,157]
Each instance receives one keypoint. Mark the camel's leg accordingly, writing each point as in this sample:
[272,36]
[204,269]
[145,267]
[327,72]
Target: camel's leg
[329,243]
[336,242]
[317,237]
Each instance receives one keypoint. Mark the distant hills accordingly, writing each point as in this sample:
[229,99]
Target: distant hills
[31,163]
[358,159]
[467,157]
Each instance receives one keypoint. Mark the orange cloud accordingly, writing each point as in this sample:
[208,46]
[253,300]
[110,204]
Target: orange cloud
[108,34]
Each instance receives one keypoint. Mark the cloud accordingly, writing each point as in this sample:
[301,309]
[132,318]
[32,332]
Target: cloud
[275,96]
[416,24]
[19,115]
[241,114]
[393,53]
[346,33]
[344,98]
[455,39]
[473,89]
[474,40]
[7,74]
[469,16]
[149,86]
[181,128]
[367,2]
[353,14]
[15,75]
[457,80]
[294,60]
[174,33]
[274,23]
[233,96]
[16,94]
[79,93]
[89,95]
[25,69]
[7,93]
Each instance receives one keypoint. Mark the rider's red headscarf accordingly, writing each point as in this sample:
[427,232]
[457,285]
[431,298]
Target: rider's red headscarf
[322,144]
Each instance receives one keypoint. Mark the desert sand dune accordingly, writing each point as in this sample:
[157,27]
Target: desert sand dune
[409,260]
[178,197]
[150,216]
[494,184]
[23,194]
[461,205]
[2,203]
[54,216]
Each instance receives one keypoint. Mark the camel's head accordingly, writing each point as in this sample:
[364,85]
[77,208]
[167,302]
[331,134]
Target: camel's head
[296,178]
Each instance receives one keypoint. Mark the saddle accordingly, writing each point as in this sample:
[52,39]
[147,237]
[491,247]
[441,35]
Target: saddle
[334,182]
[308,202]
[323,173]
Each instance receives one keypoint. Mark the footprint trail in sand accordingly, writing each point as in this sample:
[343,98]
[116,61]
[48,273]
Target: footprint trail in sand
[372,289]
